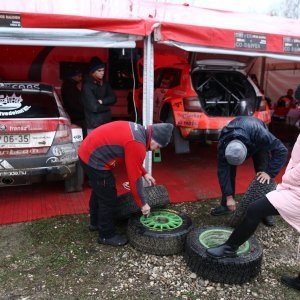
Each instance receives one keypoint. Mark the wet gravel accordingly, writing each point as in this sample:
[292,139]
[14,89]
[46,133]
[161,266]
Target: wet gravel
[59,259]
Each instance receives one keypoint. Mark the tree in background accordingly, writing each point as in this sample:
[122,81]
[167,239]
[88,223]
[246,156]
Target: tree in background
[288,9]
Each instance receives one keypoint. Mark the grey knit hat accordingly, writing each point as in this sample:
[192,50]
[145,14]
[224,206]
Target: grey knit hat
[235,152]
[162,133]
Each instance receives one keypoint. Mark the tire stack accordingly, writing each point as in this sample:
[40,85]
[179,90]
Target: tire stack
[168,232]
[162,233]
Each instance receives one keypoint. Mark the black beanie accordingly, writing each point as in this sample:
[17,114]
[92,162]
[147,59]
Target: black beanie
[162,133]
[95,64]
[74,72]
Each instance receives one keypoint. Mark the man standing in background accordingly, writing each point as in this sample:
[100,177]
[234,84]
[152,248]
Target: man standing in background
[97,96]
[71,96]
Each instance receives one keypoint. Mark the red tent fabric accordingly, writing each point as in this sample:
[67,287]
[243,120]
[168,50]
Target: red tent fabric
[231,30]
[176,22]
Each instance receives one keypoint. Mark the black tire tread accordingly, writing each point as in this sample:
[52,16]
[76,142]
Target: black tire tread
[157,197]
[255,191]
[236,270]
[158,242]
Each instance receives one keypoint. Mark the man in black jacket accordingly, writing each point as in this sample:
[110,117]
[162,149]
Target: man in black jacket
[243,137]
[71,96]
[97,96]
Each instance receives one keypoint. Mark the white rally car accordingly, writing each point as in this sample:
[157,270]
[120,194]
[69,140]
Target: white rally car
[37,140]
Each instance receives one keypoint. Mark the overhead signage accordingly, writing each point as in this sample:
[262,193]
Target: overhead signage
[10,20]
[291,44]
[255,41]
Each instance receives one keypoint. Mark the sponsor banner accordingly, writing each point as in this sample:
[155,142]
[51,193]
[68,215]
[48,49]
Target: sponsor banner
[291,44]
[250,41]
[10,20]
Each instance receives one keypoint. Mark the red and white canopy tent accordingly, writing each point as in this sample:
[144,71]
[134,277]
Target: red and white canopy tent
[274,41]
[208,30]
[113,23]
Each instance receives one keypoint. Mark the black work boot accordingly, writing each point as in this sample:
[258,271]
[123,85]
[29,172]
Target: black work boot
[222,251]
[116,240]
[268,221]
[292,282]
[220,210]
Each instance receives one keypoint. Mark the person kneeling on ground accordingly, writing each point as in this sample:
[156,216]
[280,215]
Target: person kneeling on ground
[243,137]
[284,201]
[100,152]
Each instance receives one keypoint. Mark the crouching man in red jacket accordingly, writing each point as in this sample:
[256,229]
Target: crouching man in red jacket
[101,151]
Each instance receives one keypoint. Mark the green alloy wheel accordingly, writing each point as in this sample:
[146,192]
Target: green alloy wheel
[162,220]
[215,237]
[156,195]
[255,191]
[162,233]
[231,270]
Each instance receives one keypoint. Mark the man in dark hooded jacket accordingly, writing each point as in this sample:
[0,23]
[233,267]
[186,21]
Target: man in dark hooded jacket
[71,96]
[97,96]
[241,138]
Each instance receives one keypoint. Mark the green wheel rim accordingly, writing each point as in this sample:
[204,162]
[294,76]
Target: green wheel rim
[216,237]
[162,220]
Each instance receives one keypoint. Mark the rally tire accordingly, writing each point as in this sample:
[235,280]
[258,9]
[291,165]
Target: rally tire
[255,191]
[236,270]
[159,242]
[157,197]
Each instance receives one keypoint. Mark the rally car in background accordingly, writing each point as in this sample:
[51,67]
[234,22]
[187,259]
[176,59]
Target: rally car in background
[37,140]
[201,99]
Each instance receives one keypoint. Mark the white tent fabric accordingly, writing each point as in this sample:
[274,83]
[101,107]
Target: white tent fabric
[66,37]
[278,82]
[197,48]
[90,8]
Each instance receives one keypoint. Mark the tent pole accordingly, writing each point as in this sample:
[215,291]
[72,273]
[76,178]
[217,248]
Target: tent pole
[262,73]
[148,88]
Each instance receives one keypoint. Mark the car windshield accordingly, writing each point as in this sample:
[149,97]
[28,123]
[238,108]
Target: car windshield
[21,105]
[224,93]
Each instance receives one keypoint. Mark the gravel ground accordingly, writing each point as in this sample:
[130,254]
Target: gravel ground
[58,258]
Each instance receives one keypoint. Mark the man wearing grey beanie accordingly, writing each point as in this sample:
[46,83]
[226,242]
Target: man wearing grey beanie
[101,151]
[243,137]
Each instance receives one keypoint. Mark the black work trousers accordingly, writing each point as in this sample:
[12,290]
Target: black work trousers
[260,163]
[103,200]
[256,212]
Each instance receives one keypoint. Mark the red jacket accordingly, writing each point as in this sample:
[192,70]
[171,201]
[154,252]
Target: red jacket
[111,143]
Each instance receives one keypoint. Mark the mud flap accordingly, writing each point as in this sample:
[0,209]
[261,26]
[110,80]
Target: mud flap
[75,183]
[181,145]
